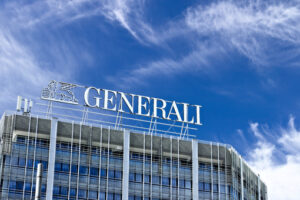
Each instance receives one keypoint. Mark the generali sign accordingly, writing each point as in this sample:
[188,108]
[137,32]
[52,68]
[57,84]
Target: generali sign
[124,103]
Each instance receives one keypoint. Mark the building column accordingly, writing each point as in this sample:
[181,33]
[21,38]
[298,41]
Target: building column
[242,179]
[51,159]
[195,164]
[258,185]
[126,148]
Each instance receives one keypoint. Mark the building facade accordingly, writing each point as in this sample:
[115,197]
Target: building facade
[85,161]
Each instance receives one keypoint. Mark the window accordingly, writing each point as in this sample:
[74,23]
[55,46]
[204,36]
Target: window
[156,180]
[111,174]
[181,183]
[43,188]
[166,181]
[45,164]
[174,182]
[94,171]
[12,185]
[93,194]
[74,169]
[64,191]
[147,178]
[110,196]
[138,177]
[222,189]
[14,161]
[56,190]
[188,184]
[103,172]
[57,166]
[102,196]
[83,170]
[22,162]
[215,187]
[118,197]
[19,185]
[27,186]
[207,186]
[201,186]
[131,177]
[73,192]
[82,193]
[65,167]
[118,174]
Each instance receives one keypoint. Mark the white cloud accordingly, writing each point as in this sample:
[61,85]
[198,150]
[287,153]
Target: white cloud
[278,161]
[254,28]
[198,60]
[128,13]
[20,72]
[258,30]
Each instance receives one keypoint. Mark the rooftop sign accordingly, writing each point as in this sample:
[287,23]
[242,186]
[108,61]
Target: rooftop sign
[123,102]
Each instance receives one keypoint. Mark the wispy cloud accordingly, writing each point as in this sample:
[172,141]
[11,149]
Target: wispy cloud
[24,68]
[254,28]
[278,160]
[198,60]
[267,33]
[20,72]
[127,13]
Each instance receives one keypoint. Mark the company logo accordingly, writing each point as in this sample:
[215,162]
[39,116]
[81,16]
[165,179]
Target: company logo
[60,92]
[121,102]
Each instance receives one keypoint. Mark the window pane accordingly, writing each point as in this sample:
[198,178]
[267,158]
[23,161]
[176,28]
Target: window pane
[83,170]
[103,172]
[19,185]
[73,192]
[138,177]
[22,162]
[82,193]
[181,183]
[147,179]
[111,174]
[156,180]
[57,166]
[94,171]
[64,191]
[188,184]
[74,169]
[56,190]
[102,196]
[165,181]
[174,182]
[65,167]
[131,177]
[118,174]
[93,194]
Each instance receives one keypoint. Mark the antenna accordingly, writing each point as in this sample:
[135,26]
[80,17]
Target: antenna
[26,107]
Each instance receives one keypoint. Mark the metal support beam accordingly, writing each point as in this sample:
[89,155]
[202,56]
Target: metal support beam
[38,184]
[51,160]
[242,179]
[126,148]
[258,185]
[195,164]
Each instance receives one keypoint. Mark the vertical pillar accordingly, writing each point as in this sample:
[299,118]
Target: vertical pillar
[51,161]
[126,148]
[211,173]
[258,185]
[195,164]
[38,184]
[242,179]
[219,182]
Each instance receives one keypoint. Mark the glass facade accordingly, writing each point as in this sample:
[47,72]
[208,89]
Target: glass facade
[89,162]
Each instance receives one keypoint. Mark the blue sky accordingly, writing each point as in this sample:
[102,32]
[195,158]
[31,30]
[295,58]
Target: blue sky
[238,59]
